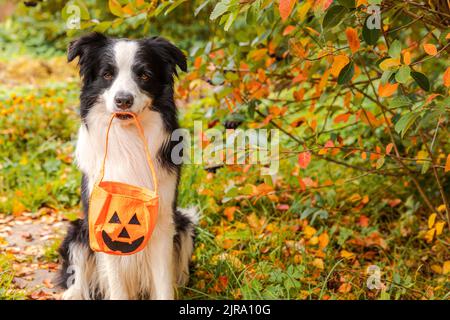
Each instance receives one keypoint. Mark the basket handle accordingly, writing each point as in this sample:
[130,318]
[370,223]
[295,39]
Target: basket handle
[142,136]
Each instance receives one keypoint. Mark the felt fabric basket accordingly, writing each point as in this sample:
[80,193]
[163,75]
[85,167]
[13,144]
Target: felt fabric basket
[122,216]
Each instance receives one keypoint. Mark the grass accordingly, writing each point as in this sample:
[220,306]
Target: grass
[7,291]
[255,240]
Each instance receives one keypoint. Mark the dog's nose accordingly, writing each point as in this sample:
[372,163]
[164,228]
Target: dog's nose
[123,100]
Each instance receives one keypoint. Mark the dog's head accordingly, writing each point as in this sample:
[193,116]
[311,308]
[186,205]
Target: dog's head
[125,75]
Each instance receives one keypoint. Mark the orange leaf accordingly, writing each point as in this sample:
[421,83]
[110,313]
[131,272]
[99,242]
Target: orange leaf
[345,288]
[288,30]
[304,158]
[197,62]
[407,58]
[430,49]
[389,148]
[447,164]
[339,62]
[324,239]
[229,213]
[18,208]
[285,8]
[387,90]
[342,118]
[363,221]
[447,77]
[352,38]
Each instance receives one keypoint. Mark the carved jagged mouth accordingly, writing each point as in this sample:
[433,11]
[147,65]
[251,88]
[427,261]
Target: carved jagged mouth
[120,246]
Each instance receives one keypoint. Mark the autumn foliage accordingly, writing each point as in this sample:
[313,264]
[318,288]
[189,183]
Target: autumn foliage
[363,115]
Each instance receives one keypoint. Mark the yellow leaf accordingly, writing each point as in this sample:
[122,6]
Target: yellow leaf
[389,64]
[354,197]
[430,49]
[309,232]
[421,156]
[430,235]
[387,90]
[439,227]
[339,62]
[313,241]
[318,263]
[446,267]
[441,208]
[352,39]
[447,77]
[436,268]
[303,10]
[431,220]
[347,254]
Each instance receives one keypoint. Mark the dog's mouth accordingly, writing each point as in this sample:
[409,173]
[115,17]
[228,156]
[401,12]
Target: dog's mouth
[124,116]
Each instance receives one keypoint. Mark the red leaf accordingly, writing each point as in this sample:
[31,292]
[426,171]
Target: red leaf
[285,8]
[304,158]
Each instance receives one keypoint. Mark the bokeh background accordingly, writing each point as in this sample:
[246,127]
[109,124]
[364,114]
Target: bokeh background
[364,156]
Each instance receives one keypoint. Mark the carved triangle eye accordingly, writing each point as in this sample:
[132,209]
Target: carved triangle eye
[134,220]
[114,218]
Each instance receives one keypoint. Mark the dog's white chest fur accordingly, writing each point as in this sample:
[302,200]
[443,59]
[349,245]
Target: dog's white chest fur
[126,162]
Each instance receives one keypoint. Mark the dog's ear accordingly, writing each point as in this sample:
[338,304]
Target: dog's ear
[80,46]
[168,52]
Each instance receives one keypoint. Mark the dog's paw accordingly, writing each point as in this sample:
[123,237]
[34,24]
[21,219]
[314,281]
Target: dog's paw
[72,294]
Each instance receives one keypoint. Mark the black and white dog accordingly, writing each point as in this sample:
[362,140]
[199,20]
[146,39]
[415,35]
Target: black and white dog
[135,76]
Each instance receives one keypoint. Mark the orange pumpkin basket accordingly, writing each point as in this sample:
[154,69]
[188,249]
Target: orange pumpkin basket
[122,216]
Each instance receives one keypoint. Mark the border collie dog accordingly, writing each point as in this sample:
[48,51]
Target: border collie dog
[134,76]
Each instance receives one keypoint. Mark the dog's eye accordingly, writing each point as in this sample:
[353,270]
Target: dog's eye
[144,77]
[107,76]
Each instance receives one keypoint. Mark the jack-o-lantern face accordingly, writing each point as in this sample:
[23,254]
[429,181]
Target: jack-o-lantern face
[124,234]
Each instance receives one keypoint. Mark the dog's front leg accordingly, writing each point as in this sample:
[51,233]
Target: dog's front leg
[116,285]
[161,263]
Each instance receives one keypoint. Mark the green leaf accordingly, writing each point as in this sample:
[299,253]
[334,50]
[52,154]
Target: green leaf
[400,101]
[102,26]
[405,122]
[334,16]
[348,3]
[386,76]
[402,74]
[219,9]
[370,36]
[421,80]
[346,73]
[380,162]
[200,7]
[173,6]
[395,49]
[217,79]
